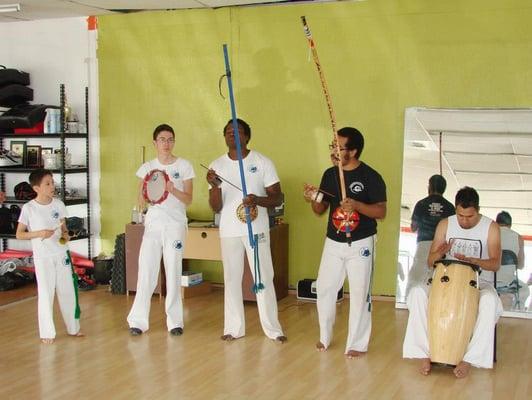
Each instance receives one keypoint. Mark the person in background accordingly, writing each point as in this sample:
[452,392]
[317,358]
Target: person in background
[511,240]
[428,212]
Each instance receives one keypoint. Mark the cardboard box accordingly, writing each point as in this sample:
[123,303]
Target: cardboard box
[190,278]
[196,290]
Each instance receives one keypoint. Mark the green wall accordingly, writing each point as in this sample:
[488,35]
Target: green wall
[379,57]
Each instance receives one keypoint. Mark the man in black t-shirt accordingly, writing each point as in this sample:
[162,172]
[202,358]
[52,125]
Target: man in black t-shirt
[428,212]
[365,197]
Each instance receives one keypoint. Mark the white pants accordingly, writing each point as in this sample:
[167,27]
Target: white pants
[479,352]
[337,260]
[53,275]
[168,242]
[233,249]
[419,272]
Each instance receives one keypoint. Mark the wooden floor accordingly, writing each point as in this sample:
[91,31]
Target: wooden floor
[109,364]
[21,293]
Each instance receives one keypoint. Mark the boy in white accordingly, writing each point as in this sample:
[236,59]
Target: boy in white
[164,235]
[471,237]
[42,221]
[264,190]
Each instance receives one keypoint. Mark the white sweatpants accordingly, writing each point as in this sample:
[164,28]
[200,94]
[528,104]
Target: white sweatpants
[337,260]
[168,242]
[53,275]
[233,249]
[419,272]
[479,352]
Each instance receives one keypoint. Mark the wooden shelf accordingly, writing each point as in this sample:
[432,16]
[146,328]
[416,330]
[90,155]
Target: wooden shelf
[69,201]
[72,170]
[43,135]
[13,236]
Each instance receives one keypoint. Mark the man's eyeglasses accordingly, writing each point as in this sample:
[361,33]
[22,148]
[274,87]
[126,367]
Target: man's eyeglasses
[164,140]
[333,147]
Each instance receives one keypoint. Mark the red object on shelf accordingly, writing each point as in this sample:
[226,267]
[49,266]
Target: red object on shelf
[80,261]
[10,253]
[38,128]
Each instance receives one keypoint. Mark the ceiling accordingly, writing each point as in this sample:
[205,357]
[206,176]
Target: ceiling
[44,9]
[487,149]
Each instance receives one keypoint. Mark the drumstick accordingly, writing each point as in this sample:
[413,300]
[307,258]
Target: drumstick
[324,192]
[223,179]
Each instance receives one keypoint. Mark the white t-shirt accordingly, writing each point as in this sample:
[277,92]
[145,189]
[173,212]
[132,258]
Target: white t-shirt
[37,217]
[509,241]
[172,209]
[259,173]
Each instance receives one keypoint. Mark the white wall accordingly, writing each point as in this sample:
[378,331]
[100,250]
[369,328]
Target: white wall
[59,51]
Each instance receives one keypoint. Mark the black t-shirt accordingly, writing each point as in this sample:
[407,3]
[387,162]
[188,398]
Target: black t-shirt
[362,184]
[428,212]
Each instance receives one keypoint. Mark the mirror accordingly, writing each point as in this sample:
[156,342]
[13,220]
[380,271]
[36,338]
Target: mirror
[489,150]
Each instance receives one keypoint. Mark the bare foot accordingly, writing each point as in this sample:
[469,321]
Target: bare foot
[320,347]
[47,341]
[79,334]
[424,369]
[227,338]
[281,339]
[462,369]
[354,354]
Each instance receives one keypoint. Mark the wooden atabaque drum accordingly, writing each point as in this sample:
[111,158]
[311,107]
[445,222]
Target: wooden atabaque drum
[453,308]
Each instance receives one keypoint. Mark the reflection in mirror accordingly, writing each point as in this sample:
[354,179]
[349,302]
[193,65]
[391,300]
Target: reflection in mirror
[489,150]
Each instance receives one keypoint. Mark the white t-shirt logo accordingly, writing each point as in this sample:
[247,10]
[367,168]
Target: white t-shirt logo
[55,214]
[253,169]
[175,175]
[178,245]
[356,187]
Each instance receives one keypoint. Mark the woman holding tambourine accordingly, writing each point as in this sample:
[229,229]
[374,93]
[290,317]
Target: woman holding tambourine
[166,184]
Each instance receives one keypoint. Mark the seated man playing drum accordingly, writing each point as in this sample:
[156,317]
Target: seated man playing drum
[473,238]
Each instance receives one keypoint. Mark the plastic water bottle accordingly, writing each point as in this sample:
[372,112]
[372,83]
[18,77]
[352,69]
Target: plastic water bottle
[134,216]
[48,119]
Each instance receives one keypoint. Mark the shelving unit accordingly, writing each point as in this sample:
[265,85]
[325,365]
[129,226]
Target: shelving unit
[62,171]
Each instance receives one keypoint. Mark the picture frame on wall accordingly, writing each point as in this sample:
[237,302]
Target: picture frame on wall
[19,147]
[46,163]
[33,156]
[46,150]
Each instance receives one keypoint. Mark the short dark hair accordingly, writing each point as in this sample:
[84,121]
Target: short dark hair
[243,124]
[467,197]
[38,175]
[437,184]
[355,139]
[504,218]
[162,128]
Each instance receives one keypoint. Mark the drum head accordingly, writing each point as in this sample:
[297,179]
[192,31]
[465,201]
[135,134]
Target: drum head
[448,262]
[341,220]
[241,213]
[154,186]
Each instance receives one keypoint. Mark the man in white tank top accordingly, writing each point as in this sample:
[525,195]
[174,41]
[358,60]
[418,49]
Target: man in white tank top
[471,237]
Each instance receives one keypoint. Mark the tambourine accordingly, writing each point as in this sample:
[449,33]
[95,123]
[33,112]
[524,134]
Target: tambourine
[241,213]
[342,220]
[154,186]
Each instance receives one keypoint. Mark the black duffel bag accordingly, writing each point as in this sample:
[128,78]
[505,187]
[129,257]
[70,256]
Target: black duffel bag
[11,75]
[24,191]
